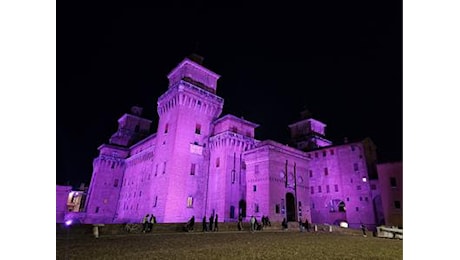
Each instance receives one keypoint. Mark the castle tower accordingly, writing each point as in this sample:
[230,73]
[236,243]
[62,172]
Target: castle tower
[308,133]
[186,112]
[232,136]
[109,167]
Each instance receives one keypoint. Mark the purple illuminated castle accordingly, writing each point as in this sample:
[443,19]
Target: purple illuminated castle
[198,164]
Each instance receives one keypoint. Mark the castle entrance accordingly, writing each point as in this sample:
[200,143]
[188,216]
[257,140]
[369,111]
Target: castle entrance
[290,207]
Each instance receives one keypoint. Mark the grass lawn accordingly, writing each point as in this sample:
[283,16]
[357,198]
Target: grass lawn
[229,245]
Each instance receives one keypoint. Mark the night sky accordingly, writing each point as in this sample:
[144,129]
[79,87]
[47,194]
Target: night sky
[343,63]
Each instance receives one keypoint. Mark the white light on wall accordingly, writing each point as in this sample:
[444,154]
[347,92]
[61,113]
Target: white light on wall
[364,179]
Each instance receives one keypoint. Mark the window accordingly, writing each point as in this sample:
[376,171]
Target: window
[198,129]
[312,205]
[355,167]
[397,204]
[113,165]
[164,167]
[366,199]
[358,187]
[357,208]
[140,193]
[232,211]
[97,210]
[217,162]
[324,153]
[332,152]
[233,176]
[312,190]
[234,129]
[256,169]
[336,188]
[254,188]
[115,183]
[327,188]
[156,170]
[311,173]
[326,172]
[256,207]
[189,202]
[192,169]
[393,182]
[319,189]
[166,128]
[364,179]
[155,201]
[277,208]
[360,198]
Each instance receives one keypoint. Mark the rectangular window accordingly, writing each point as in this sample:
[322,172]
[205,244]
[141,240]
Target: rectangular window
[166,128]
[355,167]
[256,169]
[277,208]
[319,189]
[357,208]
[312,190]
[155,201]
[312,205]
[326,172]
[393,182]
[332,152]
[360,198]
[311,173]
[358,187]
[336,188]
[233,176]
[366,199]
[192,169]
[164,167]
[198,129]
[254,188]
[190,202]
[256,207]
[397,204]
[156,170]
[113,165]
[115,183]
[97,210]
[234,129]
[217,162]
[327,188]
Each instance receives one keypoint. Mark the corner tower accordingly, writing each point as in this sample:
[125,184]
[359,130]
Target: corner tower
[308,133]
[186,112]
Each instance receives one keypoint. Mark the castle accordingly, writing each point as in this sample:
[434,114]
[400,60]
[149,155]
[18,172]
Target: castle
[200,163]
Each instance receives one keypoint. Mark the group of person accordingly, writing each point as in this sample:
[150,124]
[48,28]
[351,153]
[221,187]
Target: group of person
[148,223]
[213,223]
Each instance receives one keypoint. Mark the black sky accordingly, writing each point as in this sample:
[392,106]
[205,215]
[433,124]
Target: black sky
[343,63]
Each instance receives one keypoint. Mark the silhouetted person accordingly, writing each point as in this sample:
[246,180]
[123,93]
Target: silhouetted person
[211,223]
[307,225]
[205,228]
[253,223]
[152,220]
[284,224]
[216,220]
[190,224]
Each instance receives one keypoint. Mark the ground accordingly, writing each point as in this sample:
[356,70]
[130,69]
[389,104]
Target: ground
[229,245]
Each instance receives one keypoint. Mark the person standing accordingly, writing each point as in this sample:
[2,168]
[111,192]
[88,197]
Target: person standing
[307,225]
[253,223]
[211,222]
[145,223]
[240,222]
[363,228]
[216,220]
[205,228]
[151,222]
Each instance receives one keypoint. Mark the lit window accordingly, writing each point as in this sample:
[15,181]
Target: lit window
[189,202]
[364,179]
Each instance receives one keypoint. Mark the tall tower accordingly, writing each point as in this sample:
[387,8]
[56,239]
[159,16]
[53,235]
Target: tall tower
[109,167]
[308,133]
[186,112]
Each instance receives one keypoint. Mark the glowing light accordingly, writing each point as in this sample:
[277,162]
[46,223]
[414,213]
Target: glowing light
[343,224]
[68,222]
[364,179]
